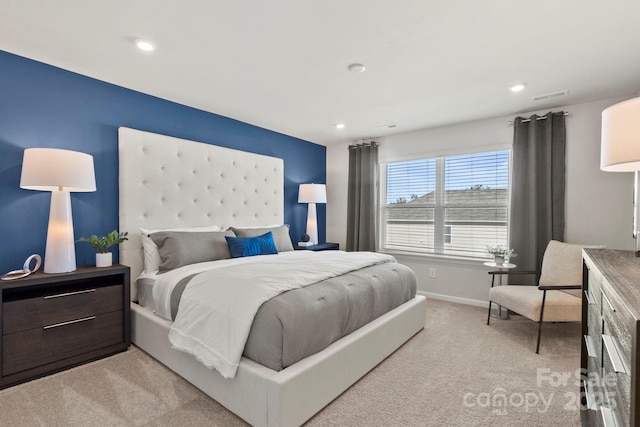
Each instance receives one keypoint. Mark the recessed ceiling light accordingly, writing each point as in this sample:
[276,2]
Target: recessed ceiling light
[339,125]
[356,68]
[518,87]
[145,45]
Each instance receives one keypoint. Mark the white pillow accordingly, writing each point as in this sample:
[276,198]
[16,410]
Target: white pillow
[152,256]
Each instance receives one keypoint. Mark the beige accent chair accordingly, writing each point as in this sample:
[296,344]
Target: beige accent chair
[560,283]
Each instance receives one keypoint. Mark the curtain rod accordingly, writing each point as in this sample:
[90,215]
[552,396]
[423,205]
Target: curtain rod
[510,122]
[373,143]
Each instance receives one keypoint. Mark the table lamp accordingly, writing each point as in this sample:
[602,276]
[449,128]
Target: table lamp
[312,194]
[620,148]
[60,172]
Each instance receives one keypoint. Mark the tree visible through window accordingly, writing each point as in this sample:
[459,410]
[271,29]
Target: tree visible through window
[454,205]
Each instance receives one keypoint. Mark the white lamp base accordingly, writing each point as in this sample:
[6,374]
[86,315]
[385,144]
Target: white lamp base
[312,224]
[60,253]
[636,213]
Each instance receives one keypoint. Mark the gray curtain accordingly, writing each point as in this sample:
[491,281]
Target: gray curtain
[538,187]
[362,195]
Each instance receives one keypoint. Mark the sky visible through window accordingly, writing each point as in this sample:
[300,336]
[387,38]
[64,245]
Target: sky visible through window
[415,178]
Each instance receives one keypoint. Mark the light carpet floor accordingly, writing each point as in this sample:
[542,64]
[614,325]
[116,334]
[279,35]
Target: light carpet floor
[456,372]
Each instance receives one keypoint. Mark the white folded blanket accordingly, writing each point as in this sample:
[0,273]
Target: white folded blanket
[218,306]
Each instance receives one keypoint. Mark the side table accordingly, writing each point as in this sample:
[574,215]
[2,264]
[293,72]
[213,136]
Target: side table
[52,322]
[501,267]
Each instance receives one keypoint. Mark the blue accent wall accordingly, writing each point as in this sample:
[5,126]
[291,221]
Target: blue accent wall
[45,106]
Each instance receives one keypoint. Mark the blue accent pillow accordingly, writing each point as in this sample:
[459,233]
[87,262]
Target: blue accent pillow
[250,246]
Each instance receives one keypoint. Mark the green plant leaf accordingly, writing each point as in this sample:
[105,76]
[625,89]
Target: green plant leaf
[102,244]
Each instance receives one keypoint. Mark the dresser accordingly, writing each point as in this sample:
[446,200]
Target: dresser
[51,322]
[610,327]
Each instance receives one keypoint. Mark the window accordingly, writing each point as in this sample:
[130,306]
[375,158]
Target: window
[453,206]
[447,234]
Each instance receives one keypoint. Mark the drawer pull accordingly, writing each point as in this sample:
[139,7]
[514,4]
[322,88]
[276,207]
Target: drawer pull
[608,418]
[591,403]
[67,294]
[70,322]
[614,355]
[587,294]
[608,302]
[591,348]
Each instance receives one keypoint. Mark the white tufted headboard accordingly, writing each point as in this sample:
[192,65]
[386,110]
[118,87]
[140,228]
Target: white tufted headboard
[170,182]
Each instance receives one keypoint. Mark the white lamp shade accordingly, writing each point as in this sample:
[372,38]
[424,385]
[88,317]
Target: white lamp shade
[620,144]
[49,169]
[312,193]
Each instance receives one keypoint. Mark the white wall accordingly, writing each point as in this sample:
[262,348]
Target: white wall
[598,204]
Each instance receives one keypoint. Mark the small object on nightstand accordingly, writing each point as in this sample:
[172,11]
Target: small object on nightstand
[305,241]
[26,269]
[102,244]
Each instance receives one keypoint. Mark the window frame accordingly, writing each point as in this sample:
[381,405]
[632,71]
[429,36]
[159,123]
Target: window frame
[440,183]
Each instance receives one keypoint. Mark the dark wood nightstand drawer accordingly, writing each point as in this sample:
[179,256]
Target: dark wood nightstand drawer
[59,306]
[35,347]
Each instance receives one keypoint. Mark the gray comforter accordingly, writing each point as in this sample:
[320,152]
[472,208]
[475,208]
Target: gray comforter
[301,322]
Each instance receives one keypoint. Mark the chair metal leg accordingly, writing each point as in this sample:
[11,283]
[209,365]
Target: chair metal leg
[544,296]
[493,280]
[539,332]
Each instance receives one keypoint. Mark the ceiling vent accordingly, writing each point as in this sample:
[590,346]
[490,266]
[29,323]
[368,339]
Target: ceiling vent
[551,95]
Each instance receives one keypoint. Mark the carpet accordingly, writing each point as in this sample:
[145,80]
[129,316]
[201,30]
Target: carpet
[456,372]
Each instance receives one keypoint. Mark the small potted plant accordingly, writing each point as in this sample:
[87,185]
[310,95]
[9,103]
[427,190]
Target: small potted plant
[104,258]
[501,254]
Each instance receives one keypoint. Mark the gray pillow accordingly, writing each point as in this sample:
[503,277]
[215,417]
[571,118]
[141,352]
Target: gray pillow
[280,235]
[177,248]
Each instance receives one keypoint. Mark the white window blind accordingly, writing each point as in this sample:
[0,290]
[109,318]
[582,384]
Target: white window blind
[454,205]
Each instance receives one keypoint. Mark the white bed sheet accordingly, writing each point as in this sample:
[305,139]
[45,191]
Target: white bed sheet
[166,282]
[144,288]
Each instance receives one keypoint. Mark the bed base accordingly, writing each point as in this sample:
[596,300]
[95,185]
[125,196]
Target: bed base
[264,397]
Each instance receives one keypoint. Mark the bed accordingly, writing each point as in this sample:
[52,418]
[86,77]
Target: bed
[167,182]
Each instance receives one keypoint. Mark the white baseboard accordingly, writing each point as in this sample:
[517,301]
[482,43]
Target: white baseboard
[459,300]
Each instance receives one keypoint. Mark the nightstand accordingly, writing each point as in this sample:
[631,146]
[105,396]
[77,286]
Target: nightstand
[52,322]
[319,247]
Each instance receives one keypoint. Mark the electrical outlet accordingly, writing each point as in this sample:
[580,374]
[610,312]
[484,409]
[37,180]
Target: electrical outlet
[432,272]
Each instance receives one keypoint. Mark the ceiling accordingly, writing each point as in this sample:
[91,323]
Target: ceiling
[282,64]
